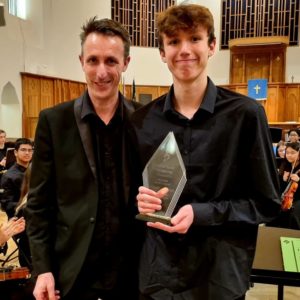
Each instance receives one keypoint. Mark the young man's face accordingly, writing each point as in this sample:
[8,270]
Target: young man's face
[187,53]
[103,63]
[24,154]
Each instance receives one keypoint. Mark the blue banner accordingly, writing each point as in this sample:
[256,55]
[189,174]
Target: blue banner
[258,89]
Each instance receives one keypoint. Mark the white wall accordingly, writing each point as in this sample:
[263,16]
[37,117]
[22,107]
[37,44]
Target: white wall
[48,44]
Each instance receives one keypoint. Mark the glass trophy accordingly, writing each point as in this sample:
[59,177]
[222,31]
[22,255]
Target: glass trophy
[165,169]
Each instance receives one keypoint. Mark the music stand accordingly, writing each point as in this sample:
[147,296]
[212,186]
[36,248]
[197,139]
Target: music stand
[276,134]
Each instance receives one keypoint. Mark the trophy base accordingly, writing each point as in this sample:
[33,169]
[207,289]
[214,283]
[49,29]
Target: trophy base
[154,218]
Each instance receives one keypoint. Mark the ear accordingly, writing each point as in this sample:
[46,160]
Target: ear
[162,55]
[212,48]
[126,63]
[81,59]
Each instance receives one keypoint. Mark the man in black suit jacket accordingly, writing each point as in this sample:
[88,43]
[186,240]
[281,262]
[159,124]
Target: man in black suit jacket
[81,205]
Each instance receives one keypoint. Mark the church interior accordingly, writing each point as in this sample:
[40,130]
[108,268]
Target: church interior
[258,42]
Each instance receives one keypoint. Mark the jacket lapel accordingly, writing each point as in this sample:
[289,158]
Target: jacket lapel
[128,109]
[86,139]
[85,134]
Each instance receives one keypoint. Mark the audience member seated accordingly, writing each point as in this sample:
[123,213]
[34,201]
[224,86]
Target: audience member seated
[289,172]
[12,179]
[293,135]
[21,239]
[9,229]
[3,148]
[280,152]
[14,289]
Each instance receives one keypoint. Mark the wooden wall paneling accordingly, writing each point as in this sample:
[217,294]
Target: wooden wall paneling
[65,91]
[282,105]
[163,90]
[47,93]
[242,90]
[128,92]
[30,99]
[31,124]
[266,59]
[271,104]
[40,92]
[257,66]
[82,88]
[31,95]
[277,70]
[237,67]
[57,91]
[74,90]
[292,103]
[153,90]
[298,97]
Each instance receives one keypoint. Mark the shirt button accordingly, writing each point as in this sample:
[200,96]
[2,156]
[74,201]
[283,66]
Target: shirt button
[92,220]
[185,152]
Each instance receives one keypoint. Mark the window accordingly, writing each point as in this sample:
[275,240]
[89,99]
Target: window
[259,18]
[138,17]
[17,8]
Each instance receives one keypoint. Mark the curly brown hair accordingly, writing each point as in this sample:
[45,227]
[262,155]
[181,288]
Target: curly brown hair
[185,17]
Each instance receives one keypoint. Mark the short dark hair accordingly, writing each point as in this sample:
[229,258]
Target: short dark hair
[2,131]
[22,141]
[106,27]
[185,17]
[293,145]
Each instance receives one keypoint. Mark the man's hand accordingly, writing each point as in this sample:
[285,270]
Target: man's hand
[45,288]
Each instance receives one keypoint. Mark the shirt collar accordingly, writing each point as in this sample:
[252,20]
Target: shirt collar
[20,167]
[88,109]
[208,102]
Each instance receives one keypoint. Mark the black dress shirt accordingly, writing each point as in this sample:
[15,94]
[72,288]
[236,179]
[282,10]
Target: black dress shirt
[232,185]
[104,258]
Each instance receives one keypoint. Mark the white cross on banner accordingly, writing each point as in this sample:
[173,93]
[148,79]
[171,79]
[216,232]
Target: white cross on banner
[258,89]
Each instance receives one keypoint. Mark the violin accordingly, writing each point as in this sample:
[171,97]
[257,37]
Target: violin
[14,273]
[288,195]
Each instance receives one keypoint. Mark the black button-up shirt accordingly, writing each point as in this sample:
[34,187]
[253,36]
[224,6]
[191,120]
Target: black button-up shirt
[232,185]
[104,255]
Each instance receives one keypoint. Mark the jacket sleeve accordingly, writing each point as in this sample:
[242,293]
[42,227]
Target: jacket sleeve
[39,211]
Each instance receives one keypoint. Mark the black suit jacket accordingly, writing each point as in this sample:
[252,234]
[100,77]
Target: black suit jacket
[63,197]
